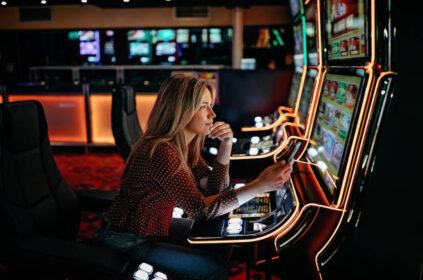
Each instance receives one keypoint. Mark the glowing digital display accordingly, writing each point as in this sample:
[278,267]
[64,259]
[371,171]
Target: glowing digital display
[306,95]
[255,208]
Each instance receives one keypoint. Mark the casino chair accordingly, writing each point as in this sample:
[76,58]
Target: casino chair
[39,212]
[125,125]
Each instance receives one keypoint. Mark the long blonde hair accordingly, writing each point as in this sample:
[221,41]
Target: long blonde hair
[179,98]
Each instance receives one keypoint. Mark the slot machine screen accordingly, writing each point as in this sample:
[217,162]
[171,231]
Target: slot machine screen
[345,29]
[306,95]
[88,48]
[182,36]
[139,48]
[87,35]
[332,125]
[165,35]
[165,49]
[215,36]
[137,35]
[293,92]
[89,45]
[255,208]
[311,33]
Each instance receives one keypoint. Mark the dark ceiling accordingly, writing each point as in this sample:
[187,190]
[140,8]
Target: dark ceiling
[149,3]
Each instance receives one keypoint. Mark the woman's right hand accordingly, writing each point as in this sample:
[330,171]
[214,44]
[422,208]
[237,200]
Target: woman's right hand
[274,176]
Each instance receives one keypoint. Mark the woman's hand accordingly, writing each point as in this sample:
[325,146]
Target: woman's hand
[274,176]
[222,131]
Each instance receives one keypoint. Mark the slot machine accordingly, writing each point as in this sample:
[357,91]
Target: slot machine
[306,220]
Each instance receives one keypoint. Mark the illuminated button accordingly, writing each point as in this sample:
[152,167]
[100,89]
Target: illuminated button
[140,275]
[239,185]
[213,151]
[312,152]
[266,150]
[322,165]
[253,151]
[259,124]
[160,275]
[258,119]
[177,212]
[255,139]
[321,149]
[234,228]
[144,59]
[234,140]
[171,59]
[237,221]
[146,267]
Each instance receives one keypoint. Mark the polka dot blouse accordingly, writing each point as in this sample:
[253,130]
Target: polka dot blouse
[154,185]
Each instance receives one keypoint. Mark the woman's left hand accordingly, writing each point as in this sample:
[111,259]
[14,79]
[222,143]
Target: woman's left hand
[222,131]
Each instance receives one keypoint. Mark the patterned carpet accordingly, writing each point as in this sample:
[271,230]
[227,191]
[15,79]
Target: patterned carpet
[101,170]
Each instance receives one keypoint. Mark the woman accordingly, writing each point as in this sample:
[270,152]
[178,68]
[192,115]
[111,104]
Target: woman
[165,169]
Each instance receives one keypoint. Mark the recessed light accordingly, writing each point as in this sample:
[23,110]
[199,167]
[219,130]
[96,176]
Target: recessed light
[83,1]
[3,3]
[43,2]
[168,0]
[126,1]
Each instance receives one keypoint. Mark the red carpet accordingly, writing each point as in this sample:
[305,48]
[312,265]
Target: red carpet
[102,171]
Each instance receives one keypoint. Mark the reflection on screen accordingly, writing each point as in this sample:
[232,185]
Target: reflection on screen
[345,29]
[306,95]
[255,208]
[339,96]
[293,93]
[165,49]
[139,48]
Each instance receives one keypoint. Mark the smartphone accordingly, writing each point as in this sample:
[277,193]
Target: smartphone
[293,152]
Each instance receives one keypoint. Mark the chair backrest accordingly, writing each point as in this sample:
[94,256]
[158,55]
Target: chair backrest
[34,198]
[125,125]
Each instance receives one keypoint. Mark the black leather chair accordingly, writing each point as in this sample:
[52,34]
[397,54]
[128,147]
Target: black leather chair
[125,125]
[39,212]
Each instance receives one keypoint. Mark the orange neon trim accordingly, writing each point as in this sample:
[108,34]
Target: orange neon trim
[65,116]
[1,99]
[101,119]
[369,68]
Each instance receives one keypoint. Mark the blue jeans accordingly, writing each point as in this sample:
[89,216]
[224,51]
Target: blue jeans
[178,261]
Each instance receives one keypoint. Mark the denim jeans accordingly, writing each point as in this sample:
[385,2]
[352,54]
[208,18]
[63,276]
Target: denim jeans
[178,261]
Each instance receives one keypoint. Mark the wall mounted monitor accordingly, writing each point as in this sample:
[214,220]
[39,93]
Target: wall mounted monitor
[306,95]
[335,120]
[346,35]
[311,32]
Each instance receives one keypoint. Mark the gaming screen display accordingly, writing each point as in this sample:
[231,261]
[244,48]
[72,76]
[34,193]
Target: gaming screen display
[306,95]
[137,35]
[165,49]
[295,7]
[165,35]
[345,28]
[298,44]
[139,48]
[87,35]
[332,125]
[311,33]
[88,48]
[215,36]
[182,36]
[293,92]
[255,208]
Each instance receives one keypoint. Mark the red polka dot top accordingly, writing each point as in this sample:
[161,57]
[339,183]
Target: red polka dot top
[154,185]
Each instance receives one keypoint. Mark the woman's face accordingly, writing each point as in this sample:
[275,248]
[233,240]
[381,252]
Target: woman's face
[202,121]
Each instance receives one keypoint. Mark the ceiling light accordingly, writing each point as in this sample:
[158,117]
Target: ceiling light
[43,2]
[126,1]
[83,1]
[3,3]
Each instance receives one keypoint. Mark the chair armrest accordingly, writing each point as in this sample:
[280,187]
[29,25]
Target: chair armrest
[95,200]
